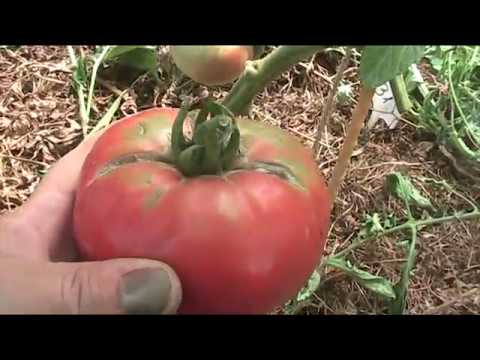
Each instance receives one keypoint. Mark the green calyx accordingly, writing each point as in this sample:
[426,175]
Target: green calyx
[214,145]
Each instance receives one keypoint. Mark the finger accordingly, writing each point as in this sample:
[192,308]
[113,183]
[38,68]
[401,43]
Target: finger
[120,286]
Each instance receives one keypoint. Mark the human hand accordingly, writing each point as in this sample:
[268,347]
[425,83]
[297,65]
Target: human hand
[40,270]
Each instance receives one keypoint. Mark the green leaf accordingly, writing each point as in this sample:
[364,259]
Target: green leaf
[377,284]
[310,288]
[390,221]
[402,188]
[216,108]
[141,58]
[437,64]
[208,134]
[344,94]
[191,160]
[414,80]
[201,116]
[116,51]
[399,304]
[371,225]
[178,141]
[380,64]
[230,150]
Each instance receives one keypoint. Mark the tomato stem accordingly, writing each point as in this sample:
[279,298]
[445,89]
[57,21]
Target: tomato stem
[214,145]
[179,143]
[259,73]
[400,93]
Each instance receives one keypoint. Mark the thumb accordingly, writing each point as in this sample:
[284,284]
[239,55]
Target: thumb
[119,286]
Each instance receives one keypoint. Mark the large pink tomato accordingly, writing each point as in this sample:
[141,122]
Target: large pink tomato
[243,241]
[212,65]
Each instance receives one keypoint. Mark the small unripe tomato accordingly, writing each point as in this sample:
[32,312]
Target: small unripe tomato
[212,64]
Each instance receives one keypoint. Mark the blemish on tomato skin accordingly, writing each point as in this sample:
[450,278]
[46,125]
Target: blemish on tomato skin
[153,199]
[154,129]
[141,129]
[148,179]
[260,267]
[227,206]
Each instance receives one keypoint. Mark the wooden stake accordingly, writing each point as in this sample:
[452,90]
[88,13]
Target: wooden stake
[358,118]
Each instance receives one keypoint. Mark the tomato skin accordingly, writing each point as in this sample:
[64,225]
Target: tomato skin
[242,243]
[212,65]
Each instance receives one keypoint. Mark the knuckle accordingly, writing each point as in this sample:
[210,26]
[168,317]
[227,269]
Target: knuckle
[76,289]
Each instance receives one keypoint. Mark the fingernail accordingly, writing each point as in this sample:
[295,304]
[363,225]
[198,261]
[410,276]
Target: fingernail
[145,291]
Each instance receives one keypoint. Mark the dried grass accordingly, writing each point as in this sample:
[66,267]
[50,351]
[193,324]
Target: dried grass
[39,123]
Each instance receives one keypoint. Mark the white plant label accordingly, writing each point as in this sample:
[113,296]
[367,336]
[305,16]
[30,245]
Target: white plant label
[384,107]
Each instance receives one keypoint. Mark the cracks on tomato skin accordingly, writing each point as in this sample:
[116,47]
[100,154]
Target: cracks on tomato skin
[272,168]
[276,169]
[133,158]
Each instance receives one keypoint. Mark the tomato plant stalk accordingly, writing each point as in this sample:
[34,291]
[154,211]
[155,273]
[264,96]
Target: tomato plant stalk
[400,93]
[261,72]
